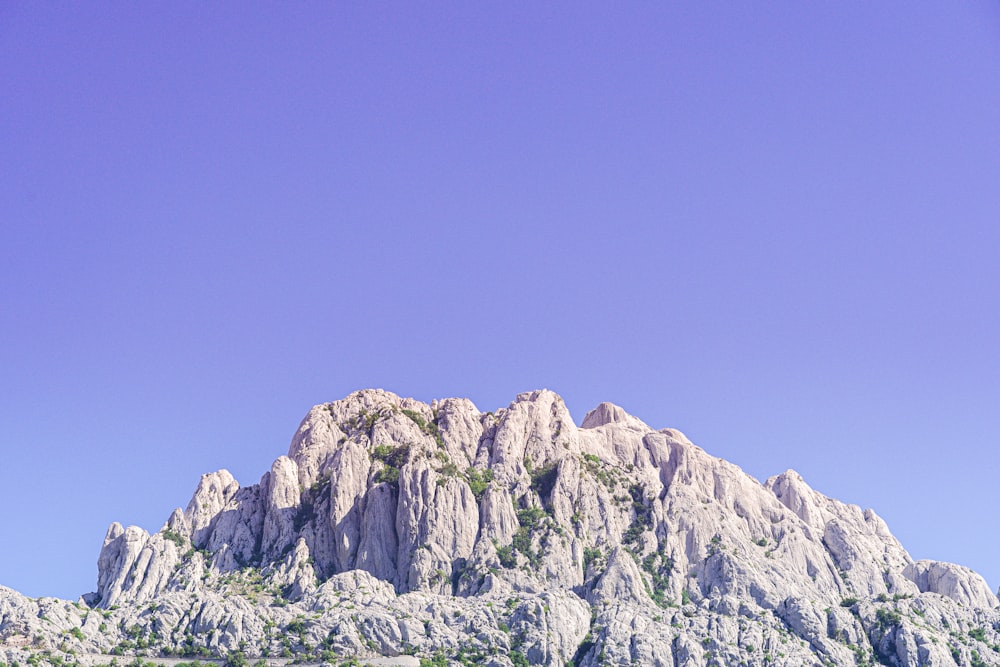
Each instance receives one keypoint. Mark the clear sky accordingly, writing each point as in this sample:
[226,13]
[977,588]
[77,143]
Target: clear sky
[775,226]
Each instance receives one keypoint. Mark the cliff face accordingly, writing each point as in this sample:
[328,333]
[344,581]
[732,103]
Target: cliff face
[394,526]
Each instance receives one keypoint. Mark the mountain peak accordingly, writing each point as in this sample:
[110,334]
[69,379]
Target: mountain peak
[605,413]
[395,526]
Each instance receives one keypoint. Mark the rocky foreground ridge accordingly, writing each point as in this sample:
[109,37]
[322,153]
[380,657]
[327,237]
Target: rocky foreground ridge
[393,527]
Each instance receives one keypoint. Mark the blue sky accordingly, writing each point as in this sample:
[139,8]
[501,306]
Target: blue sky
[774,226]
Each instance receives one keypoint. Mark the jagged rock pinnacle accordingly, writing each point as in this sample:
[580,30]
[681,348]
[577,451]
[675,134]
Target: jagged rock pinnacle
[393,525]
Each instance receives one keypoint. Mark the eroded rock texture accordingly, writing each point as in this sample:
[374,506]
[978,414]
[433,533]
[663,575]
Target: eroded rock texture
[392,526]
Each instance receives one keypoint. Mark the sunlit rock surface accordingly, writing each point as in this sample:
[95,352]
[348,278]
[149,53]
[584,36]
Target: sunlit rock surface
[394,527]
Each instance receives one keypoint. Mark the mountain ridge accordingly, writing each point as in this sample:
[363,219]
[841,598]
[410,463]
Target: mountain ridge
[548,542]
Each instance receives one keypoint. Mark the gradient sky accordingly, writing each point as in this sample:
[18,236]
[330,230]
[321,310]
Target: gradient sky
[775,226]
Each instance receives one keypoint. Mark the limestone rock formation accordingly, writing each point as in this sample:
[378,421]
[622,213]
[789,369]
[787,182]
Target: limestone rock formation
[954,581]
[394,527]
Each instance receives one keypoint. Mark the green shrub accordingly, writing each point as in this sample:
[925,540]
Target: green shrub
[382,452]
[449,469]
[416,418]
[236,659]
[429,428]
[479,480]
[530,518]
[394,458]
[388,474]
[507,557]
[658,568]
[590,555]
[543,479]
[603,472]
[176,538]
[888,618]
[522,543]
[439,659]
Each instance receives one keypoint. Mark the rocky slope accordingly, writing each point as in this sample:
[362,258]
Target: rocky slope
[394,527]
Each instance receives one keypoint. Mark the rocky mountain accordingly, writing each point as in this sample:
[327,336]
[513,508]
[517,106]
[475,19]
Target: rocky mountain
[395,528]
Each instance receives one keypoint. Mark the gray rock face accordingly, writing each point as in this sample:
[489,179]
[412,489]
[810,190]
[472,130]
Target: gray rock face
[212,496]
[134,566]
[393,526]
[954,581]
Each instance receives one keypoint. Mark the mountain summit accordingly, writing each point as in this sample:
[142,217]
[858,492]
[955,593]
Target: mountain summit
[394,528]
